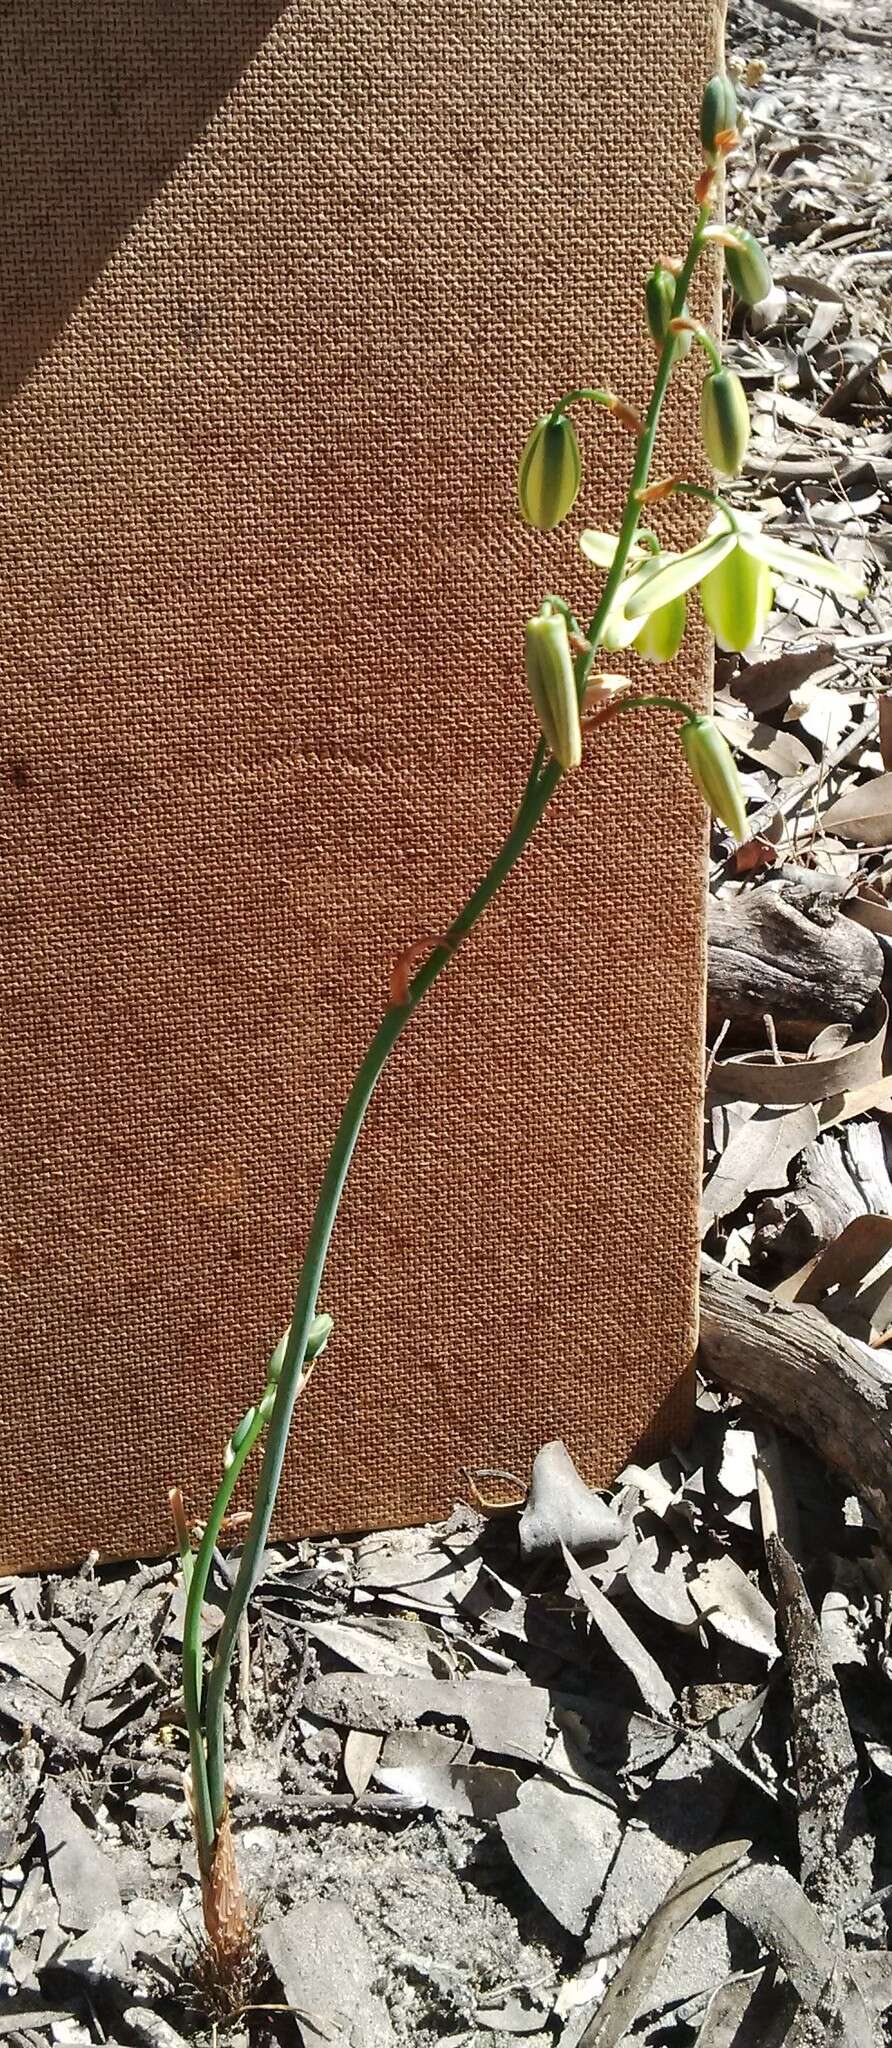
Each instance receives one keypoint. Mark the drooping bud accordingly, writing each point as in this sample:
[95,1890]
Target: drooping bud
[711,763]
[552,686]
[724,420]
[659,302]
[663,631]
[737,597]
[747,267]
[718,114]
[550,472]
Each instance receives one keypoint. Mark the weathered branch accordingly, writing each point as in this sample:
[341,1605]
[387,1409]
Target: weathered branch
[791,952]
[804,1374]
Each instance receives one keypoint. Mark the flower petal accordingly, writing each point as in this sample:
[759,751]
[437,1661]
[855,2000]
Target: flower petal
[600,548]
[667,580]
[800,566]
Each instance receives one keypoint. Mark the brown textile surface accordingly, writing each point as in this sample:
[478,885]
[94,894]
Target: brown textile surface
[283,289]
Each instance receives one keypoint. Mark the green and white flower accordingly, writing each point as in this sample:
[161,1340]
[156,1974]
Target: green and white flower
[734,564]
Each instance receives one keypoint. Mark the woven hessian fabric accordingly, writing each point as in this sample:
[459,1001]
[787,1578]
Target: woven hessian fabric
[283,289]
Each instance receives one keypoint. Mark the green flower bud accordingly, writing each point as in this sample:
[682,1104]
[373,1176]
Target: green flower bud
[274,1368]
[737,597]
[747,267]
[724,420]
[663,631]
[320,1330]
[266,1403]
[241,1431]
[552,686]
[550,472]
[718,113]
[711,763]
[659,297]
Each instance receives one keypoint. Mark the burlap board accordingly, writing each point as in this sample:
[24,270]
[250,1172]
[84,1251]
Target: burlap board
[283,288]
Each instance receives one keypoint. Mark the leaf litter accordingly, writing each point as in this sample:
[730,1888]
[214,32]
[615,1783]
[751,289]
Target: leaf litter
[617,1768]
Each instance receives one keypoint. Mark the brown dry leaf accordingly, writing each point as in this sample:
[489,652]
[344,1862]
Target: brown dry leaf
[751,855]
[800,1078]
[870,909]
[563,1843]
[438,1771]
[782,752]
[655,1690]
[851,1256]
[766,684]
[506,1716]
[628,1990]
[81,1872]
[757,1158]
[839,1109]
[863,813]
[734,1606]
[561,1509]
[361,1753]
[851,1264]
[329,1975]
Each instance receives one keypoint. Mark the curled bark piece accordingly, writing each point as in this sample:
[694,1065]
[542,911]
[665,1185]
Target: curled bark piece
[805,1375]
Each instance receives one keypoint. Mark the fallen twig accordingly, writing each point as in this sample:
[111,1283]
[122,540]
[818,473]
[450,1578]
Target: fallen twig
[806,1375]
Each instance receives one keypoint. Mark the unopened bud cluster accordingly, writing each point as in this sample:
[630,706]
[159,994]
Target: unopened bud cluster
[254,1418]
[648,604]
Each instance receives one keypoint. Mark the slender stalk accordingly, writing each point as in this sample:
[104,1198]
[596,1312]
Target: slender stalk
[196,1585]
[392,1024]
[681,488]
[541,785]
[643,458]
[592,393]
[706,342]
[650,700]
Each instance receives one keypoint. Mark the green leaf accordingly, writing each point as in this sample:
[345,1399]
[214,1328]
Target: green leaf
[799,566]
[668,580]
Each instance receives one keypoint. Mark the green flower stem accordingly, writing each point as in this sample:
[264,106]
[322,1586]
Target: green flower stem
[709,346]
[682,489]
[196,1584]
[392,1024]
[643,459]
[538,764]
[559,604]
[585,391]
[540,788]
[651,701]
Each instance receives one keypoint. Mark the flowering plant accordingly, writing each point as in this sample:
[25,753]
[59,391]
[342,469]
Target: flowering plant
[642,605]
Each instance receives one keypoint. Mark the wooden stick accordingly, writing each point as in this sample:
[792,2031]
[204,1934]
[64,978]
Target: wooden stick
[813,17]
[805,1375]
